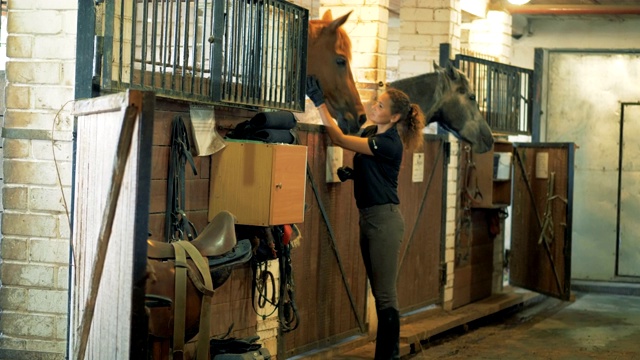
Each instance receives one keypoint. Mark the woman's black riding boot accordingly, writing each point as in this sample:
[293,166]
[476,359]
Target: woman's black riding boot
[388,339]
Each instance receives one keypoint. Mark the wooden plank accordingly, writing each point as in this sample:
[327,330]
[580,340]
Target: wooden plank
[162,127]
[158,196]
[441,321]
[160,161]
[101,105]
[99,127]
[197,194]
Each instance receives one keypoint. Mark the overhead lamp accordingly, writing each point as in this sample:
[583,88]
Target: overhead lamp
[518,2]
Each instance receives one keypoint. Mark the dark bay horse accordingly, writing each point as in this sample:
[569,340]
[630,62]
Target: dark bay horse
[446,97]
[328,58]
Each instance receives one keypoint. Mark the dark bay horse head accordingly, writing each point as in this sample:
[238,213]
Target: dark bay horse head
[446,97]
[328,58]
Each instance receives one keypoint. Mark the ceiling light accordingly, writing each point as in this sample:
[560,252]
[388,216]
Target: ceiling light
[518,2]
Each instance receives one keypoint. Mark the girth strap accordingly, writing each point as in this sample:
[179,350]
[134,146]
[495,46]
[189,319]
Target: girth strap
[180,302]
[181,293]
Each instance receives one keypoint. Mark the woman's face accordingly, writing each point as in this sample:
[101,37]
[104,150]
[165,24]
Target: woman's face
[381,110]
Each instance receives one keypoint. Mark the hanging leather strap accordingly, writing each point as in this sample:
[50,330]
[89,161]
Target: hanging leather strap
[205,287]
[177,226]
[180,301]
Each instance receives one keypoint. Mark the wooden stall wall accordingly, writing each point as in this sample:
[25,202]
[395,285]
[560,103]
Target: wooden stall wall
[326,314]
[422,204]
[232,301]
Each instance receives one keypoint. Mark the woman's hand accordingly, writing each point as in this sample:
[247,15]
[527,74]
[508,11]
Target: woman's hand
[354,143]
[314,91]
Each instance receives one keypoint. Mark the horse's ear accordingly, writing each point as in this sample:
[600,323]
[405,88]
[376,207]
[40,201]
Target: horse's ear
[327,16]
[452,72]
[335,24]
[436,67]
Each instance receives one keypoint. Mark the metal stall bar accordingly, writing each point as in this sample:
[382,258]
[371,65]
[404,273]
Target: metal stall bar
[256,51]
[504,93]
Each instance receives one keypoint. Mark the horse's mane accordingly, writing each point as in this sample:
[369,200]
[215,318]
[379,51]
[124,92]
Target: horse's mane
[343,43]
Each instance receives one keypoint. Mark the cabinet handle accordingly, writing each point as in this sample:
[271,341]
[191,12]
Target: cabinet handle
[279,186]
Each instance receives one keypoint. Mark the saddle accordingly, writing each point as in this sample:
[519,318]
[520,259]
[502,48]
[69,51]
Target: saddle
[213,255]
[217,243]
[217,238]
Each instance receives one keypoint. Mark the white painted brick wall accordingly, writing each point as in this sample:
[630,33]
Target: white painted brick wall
[40,74]
[424,26]
[492,36]
[368,30]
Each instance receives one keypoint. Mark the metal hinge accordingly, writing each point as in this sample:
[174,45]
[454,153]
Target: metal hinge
[447,152]
[443,275]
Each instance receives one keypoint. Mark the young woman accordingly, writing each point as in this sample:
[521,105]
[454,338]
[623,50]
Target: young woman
[398,124]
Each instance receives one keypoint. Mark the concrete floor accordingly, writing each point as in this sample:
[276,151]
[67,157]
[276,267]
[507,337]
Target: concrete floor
[594,326]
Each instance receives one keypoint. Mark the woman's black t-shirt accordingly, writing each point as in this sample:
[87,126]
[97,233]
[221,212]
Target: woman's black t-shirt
[376,177]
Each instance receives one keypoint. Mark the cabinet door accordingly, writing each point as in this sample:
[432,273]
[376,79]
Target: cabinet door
[240,179]
[288,184]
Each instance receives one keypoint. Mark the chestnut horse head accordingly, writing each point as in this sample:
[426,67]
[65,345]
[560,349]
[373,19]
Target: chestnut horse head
[446,97]
[328,58]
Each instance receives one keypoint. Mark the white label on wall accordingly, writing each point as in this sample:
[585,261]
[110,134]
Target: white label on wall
[334,161]
[418,167]
[542,165]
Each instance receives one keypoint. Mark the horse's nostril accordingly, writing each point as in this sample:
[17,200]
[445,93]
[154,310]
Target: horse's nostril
[362,119]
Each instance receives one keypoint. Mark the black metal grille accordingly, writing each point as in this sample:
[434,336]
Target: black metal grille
[245,53]
[504,93]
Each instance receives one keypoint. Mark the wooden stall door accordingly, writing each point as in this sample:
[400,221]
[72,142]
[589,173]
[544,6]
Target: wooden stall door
[542,218]
[118,328]
[477,228]
[422,190]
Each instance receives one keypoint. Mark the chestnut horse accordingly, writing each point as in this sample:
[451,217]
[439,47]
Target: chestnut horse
[328,58]
[446,97]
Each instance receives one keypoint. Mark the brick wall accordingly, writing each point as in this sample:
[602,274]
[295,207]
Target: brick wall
[424,26]
[35,228]
[492,36]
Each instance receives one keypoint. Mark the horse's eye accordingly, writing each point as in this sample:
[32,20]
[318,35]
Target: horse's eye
[472,97]
[341,61]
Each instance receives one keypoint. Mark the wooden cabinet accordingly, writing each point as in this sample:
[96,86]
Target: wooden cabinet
[261,184]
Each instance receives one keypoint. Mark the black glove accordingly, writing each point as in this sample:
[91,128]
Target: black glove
[314,91]
[345,173]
